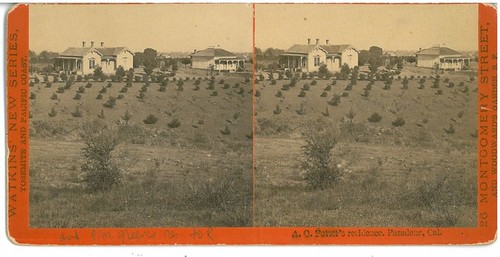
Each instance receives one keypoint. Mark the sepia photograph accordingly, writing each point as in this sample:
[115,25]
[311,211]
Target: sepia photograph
[366,115]
[140,115]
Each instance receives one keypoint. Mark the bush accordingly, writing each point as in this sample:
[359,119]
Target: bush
[221,82]
[175,123]
[77,96]
[398,122]
[277,110]
[88,85]
[77,113]
[306,87]
[348,88]
[257,93]
[48,84]
[279,94]
[214,93]
[54,96]
[328,88]
[60,90]
[273,82]
[81,90]
[32,96]
[320,169]
[99,173]
[99,96]
[335,100]
[151,119]
[110,103]
[120,96]
[450,130]
[324,94]
[226,86]
[226,131]
[302,93]
[52,113]
[314,82]
[376,117]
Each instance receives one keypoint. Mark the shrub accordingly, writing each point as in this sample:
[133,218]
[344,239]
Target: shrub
[110,103]
[110,84]
[99,173]
[77,113]
[273,82]
[196,88]
[257,93]
[348,88]
[345,94]
[450,130]
[32,84]
[32,96]
[326,113]
[180,88]
[302,93]
[306,87]
[141,95]
[366,93]
[368,87]
[398,122]
[77,96]
[334,83]
[124,90]
[151,119]
[451,84]
[328,88]
[221,82]
[60,90]
[103,90]
[279,94]
[120,96]
[446,80]
[285,87]
[54,96]
[324,94]
[52,113]
[101,115]
[226,131]
[197,82]
[471,78]
[48,84]
[143,89]
[214,93]
[376,117]
[81,90]
[236,85]
[99,96]
[175,123]
[439,92]
[350,116]
[241,91]
[88,85]
[320,169]
[335,100]
[277,110]
[314,82]
[126,117]
[226,86]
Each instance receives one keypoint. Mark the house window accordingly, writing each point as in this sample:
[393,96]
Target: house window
[316,60]
[91,63]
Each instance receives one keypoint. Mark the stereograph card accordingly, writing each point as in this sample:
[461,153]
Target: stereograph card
[251,123]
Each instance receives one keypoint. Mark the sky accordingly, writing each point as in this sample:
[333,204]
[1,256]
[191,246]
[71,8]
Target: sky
[389,26]
[164,27]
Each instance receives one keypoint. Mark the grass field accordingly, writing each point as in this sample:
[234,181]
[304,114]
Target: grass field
[420,174]
[196,174]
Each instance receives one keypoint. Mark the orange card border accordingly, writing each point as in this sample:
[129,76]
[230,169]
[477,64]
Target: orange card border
[17,104]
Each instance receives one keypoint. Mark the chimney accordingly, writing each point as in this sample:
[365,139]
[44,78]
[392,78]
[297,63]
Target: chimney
[83,43]
[91,43]
[317,41]
[102,44]
[327,41]
[308,41]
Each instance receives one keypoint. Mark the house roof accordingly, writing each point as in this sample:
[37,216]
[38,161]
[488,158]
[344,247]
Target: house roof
[438,51]
[304,49]
[213,52]
[81,51]
[75,51]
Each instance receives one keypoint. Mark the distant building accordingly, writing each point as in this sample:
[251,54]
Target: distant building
[218,59]
[309,57]
[83,60]
[444,57]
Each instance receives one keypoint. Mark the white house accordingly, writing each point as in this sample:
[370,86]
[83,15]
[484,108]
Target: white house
[83,60]
[309,57]
[216,58]
[444,57]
